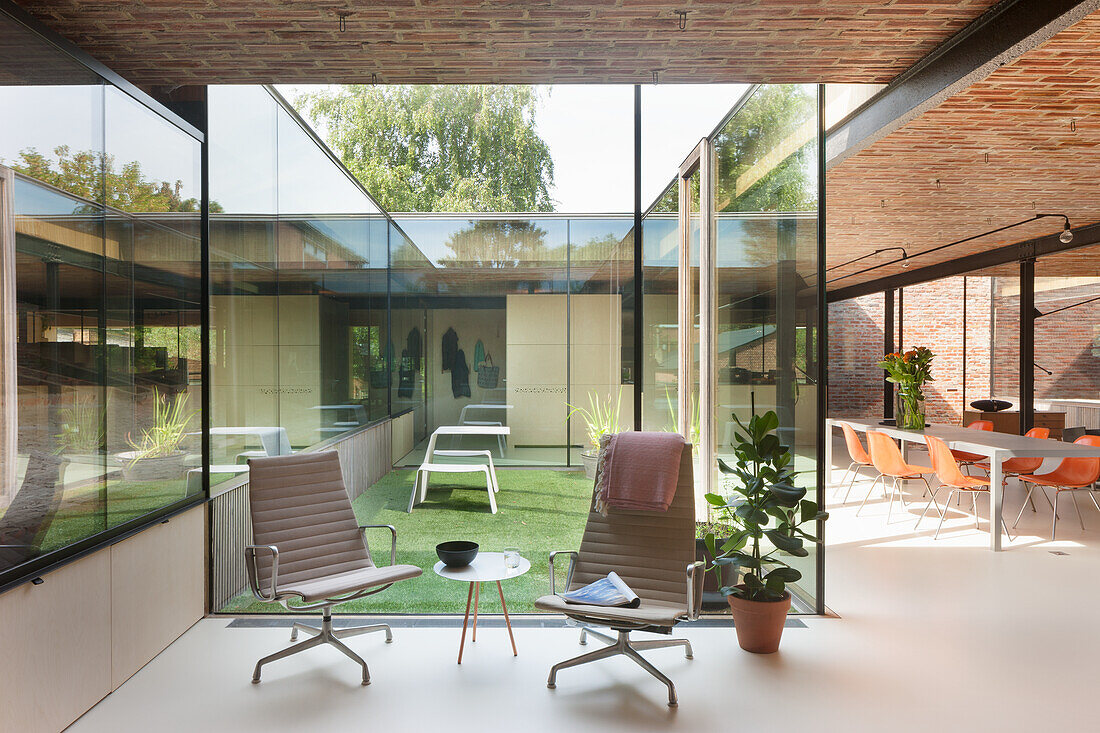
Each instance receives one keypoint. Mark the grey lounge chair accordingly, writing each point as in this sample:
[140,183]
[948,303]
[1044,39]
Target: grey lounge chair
[309,550]
[654,552]
[28,518]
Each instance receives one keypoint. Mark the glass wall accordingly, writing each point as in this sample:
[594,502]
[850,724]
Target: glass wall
[100,267]
[1067,338]
[519,318]
[766,194]
[298,287]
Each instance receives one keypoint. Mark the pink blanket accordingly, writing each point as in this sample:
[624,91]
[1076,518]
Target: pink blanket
[638,471]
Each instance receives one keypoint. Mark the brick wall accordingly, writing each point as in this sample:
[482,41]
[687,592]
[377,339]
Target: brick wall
[933,316]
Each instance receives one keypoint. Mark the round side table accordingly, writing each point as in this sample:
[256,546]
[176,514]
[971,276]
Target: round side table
[486,567]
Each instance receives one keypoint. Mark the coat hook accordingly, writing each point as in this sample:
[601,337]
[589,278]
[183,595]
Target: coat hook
[1073,125]
[939,186]
[655,72]
[373,78]
[683,18]
[343,15]
[987,157]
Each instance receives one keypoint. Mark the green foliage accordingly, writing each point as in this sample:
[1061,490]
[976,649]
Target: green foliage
[81,428]
[496,244]
[439,148]
[766,507]
[164,437]
[672,425]
[911,369]
[92,175]
[602,416]
[766,154]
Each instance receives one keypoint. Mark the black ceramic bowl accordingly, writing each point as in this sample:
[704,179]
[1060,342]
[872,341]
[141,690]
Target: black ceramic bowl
[990,405]
[457,553]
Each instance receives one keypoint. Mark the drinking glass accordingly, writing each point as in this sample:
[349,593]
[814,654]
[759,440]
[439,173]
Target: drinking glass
[511,557]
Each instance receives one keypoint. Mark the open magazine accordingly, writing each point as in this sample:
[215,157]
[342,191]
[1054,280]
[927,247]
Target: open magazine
[609,591]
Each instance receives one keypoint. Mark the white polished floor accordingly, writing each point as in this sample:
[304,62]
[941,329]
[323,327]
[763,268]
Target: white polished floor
[932,636]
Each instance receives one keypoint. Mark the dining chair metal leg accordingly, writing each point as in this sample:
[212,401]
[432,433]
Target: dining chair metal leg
[1031,488]
[1080,519]
[890,506]
[1054,525]
[847,474]
[869,492]
[931,502]
[974,506]
[1093,500]
[944,515]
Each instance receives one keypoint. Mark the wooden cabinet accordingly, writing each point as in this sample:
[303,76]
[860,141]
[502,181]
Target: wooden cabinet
[69,641]
[1009,422]
[157,591]
[56,642]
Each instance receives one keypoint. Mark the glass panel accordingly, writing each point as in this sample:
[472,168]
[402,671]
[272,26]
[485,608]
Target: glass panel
[1067,340]
[244,365]
[660,334]
[152,310]
[53,468]
[765,324]
[491,293]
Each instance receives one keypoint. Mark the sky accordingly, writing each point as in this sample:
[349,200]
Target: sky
[590,132]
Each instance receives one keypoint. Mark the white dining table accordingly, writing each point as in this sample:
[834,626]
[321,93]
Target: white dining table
[997,447]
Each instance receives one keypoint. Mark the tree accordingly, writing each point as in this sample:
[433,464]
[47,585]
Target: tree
[497,245]
[90,174]
[765,155]
[439,148]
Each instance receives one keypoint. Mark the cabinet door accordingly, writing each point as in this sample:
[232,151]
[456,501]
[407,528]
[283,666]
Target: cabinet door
[56,642]
[157,590]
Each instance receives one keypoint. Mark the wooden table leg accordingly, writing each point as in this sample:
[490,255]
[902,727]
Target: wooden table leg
[507,621]
[477,601]
[465,619]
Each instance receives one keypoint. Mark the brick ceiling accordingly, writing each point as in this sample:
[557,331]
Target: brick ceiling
[168,42]
[1025,140]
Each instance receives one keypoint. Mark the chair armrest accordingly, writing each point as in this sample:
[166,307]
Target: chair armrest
[568,574]
[253,574]
[393,538]
[694,599]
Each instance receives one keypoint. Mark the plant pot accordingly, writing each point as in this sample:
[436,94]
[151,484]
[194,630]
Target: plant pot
[160,468]
[759,624]
[589,460]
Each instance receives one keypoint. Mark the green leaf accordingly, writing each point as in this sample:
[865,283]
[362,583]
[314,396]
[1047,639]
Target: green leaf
[792,545]
[785,574]
[715,499]
[787,495]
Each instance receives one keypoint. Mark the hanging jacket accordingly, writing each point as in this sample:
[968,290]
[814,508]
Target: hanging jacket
[406,376]
[450,346]
[460,375]
[412,347]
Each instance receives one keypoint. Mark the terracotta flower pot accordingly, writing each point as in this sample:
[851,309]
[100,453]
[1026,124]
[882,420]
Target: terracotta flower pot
[759,624]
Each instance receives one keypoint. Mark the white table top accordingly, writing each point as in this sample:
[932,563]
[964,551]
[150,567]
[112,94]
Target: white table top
[472,430]
[487,566]
[982,441]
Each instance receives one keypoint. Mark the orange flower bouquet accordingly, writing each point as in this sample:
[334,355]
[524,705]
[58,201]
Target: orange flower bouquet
[909,371]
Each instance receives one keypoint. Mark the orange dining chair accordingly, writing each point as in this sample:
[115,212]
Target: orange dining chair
[1072,474]
[858,455]
[887,459]
[950,475]
[1015,467]
[969,459]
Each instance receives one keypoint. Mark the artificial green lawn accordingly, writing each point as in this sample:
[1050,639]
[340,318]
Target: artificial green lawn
[539,511]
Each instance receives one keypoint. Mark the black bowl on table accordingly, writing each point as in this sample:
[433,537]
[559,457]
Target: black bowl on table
[457,553]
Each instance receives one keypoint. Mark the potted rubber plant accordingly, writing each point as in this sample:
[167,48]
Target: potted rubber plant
[158,454]
[601,418]
[766,512]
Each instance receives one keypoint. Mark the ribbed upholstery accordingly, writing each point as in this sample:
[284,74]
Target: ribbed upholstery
[650,551]
[299,504]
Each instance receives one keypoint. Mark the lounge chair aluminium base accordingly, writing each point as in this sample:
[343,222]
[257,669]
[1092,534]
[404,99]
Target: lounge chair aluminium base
[324,635]
[626,647]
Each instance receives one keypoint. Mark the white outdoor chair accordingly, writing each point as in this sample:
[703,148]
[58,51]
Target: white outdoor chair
[420,484]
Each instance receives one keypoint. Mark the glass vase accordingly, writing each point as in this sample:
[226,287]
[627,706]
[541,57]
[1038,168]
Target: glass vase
[909,414]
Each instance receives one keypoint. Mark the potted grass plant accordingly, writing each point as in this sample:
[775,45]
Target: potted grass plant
[601,418]
[158,454]
[766,513]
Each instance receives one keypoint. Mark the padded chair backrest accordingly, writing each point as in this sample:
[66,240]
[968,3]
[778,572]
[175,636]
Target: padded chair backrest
[855,448]
[648,550]
[299,504]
